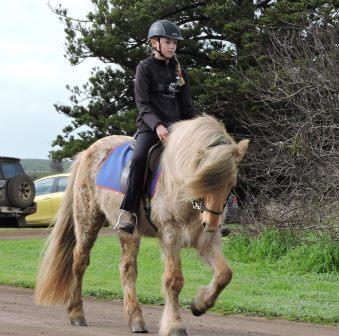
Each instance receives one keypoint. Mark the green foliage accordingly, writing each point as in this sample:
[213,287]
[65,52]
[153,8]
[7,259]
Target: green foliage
[292,251]
[321,256]
[269,245]
[221,40]
[218,35]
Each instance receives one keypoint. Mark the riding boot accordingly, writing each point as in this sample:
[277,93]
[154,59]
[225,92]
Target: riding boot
[127,222]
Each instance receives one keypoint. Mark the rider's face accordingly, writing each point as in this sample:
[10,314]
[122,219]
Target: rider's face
[168,46]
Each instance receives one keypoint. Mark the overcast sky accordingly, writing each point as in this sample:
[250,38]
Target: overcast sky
[33,75]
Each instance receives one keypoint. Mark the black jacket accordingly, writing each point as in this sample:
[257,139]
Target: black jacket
[156,105]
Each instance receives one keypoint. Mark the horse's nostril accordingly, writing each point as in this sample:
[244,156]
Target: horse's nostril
[204,224]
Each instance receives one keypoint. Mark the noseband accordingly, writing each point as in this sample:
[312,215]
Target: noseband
[199,204]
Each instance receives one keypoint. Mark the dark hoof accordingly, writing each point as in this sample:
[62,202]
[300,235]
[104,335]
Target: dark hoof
[179,332]
[79,322]
[195,311]
[138,327]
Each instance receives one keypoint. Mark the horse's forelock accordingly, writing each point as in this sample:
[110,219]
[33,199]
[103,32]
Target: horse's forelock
[215,170]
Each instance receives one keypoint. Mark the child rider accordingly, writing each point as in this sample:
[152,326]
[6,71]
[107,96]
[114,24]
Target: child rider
[162,95]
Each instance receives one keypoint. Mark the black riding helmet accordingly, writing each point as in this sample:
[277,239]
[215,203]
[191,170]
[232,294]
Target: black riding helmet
[165,28]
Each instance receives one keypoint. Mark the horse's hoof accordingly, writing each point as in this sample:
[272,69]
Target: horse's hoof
[79,322]
[195,310]
[179,332]
[139,327]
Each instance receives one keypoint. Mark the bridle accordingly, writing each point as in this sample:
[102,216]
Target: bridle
[199,204]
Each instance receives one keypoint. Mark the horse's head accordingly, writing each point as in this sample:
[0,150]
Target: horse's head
[218,175]
[202,158]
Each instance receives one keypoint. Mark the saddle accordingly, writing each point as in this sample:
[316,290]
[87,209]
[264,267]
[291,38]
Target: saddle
[114,172]
[153,159]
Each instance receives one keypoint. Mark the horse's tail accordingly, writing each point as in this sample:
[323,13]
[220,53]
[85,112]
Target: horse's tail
[55,276]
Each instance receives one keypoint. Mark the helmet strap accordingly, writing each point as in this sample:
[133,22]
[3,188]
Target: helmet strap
[159,50]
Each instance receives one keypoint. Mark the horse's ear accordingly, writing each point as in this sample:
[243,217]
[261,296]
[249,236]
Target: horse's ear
[240,150]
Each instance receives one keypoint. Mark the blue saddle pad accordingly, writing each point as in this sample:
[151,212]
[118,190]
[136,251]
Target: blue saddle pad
[109,175]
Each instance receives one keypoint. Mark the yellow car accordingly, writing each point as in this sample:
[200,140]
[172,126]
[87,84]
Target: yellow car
[48,194]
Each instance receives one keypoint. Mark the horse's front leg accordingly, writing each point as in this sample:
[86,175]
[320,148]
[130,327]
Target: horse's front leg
[207,295]
[128,273]
[173,281]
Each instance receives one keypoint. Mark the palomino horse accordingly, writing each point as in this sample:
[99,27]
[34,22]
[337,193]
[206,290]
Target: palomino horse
[199,163]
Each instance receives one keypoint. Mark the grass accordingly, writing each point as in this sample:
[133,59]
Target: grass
[270,281]
[292,251]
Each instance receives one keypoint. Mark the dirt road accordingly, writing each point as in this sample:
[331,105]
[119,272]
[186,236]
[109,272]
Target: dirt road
[19,316]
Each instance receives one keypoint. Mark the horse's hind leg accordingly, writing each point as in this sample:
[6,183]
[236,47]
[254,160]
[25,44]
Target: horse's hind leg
[128,272]
[87,227]
[207,295]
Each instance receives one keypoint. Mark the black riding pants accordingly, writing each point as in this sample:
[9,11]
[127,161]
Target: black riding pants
[135,183]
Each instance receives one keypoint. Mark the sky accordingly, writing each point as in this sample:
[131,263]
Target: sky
[33,75]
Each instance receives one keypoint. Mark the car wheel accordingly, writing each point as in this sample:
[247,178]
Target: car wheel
[21,191]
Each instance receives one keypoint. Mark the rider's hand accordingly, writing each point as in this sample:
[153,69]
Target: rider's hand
[162,133]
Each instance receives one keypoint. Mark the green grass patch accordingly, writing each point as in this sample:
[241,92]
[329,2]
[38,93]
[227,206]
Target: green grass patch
[274,281]
[294,252]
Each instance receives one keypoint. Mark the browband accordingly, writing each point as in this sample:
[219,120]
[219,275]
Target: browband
[221,142]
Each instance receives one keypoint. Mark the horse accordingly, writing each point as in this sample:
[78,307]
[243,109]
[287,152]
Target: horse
[198,169]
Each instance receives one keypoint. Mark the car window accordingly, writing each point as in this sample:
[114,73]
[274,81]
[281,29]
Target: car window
[62,184]
[11,169]
[44,186]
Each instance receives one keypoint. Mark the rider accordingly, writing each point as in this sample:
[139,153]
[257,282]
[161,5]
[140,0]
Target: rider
[162,95]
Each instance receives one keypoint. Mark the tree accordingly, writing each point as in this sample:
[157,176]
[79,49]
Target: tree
[115,32]
[233,50]
[56,166]
[293,179]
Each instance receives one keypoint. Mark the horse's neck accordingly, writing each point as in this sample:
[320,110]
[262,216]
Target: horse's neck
[168,202]
[170,189]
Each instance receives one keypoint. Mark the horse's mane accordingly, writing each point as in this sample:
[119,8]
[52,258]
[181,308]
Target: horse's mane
[197,157]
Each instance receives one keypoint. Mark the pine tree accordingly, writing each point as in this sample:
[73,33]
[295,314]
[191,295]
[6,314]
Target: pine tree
[217,41]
